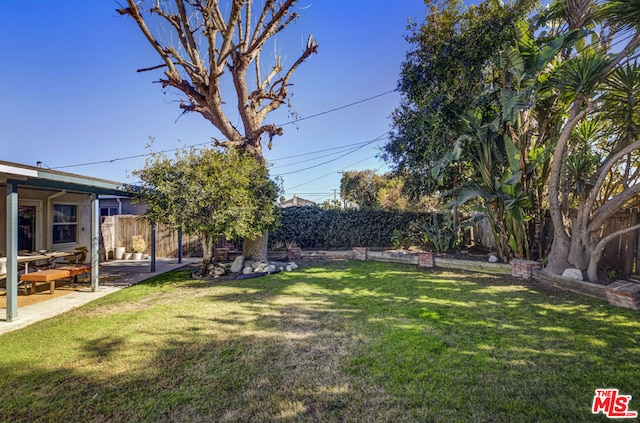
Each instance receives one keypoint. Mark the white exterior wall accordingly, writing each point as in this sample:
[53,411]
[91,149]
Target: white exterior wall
[44,228]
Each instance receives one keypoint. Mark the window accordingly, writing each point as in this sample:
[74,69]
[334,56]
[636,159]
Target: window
[26,228]
[108,211]
[65,223]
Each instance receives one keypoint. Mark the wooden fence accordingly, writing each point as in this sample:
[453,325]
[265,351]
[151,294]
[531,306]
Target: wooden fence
[621,256]
[118,231]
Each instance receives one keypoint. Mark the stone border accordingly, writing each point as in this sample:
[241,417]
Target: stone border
[429,259]
[580,287]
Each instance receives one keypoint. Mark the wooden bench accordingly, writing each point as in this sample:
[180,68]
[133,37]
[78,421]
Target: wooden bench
[75,270]
[44,276]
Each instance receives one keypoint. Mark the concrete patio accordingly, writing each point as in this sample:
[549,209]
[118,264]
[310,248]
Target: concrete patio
[114,275]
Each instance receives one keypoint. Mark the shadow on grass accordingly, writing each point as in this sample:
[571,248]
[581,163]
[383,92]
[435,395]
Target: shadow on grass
[351,341]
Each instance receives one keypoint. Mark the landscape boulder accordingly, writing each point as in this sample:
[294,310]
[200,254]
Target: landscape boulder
[237,265]
[575,274]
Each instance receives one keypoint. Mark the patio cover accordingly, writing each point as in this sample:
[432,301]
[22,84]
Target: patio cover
[15,175]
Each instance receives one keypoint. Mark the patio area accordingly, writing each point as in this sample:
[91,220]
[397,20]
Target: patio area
[114,275]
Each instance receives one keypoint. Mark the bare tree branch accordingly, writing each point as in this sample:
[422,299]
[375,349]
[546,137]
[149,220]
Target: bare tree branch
[604,170]
[596,254]
[134,12]
[611,207]
[230,45]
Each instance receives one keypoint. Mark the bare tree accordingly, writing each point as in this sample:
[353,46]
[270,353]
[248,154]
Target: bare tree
[203,46]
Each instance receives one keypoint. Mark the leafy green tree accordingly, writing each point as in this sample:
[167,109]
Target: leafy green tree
[362,187]
[196,191]
[374,191]
[444,74]
[333,204]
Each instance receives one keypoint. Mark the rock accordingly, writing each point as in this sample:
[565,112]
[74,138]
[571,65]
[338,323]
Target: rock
[288,268]
[218,271]
[493,259]
[575,274]
[247,270]
[281,268]
[259,268]
[293,266]
[236,266]
[270,268]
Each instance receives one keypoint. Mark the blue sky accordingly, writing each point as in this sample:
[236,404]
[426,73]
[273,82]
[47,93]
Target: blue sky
[71,94]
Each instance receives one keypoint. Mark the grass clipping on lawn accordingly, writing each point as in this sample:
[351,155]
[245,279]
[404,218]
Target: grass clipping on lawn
[348,341]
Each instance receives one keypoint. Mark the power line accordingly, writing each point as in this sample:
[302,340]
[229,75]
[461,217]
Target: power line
[209,142]
[339,157]
[320,151]
[337,108]
[307,161]
[329,174]
[129,157]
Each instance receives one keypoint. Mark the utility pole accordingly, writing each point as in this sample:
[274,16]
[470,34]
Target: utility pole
[344,200]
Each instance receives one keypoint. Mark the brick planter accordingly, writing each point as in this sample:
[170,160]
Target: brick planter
[294,254]
[426,259]
[360,253]
[624,294]
[523,268]
[221,254]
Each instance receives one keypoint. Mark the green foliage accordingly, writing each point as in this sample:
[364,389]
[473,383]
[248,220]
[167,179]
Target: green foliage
[397,238]
[361,187]
[312,227]
[208,192]
[373,191]
[333,204]
[446,72]
[580,168]
[441,232]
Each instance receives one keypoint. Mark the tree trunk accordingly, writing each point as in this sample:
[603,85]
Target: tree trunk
[561,244]
[558,255]
[580,247]
[207,247]
[256,249]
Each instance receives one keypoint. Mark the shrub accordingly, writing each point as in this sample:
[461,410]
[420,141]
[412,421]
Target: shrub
[312,227]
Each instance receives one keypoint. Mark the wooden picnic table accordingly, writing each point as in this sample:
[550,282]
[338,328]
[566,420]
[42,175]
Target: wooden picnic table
[48,275]
[50,257]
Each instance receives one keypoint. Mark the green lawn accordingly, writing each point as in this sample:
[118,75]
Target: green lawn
[347,341]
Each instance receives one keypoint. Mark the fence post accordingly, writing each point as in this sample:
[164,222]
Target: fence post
[180,244]
[153,247]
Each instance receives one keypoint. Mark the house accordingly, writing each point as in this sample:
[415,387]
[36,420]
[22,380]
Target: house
[44,209]
[112,205]
[296,202]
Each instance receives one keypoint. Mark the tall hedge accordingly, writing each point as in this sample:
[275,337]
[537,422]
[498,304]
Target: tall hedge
[312,227]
